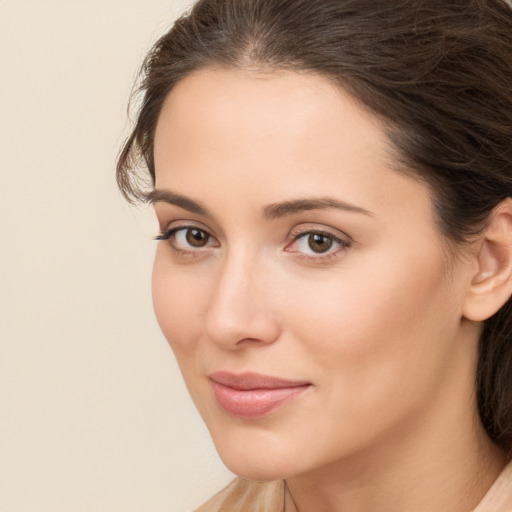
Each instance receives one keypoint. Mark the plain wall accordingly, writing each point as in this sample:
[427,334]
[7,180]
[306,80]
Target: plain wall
[94,416]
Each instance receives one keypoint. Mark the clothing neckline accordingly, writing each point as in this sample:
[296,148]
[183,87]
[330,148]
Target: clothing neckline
[499,497]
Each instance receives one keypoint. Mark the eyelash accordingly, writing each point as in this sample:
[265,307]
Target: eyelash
[304,234]
[343,244]
[170,237]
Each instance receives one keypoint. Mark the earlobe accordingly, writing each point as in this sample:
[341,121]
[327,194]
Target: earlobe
[491,285]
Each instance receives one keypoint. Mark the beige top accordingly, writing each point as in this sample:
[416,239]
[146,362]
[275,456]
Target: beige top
[246,496]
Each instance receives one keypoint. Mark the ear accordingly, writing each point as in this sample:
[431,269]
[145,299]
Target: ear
[491,284]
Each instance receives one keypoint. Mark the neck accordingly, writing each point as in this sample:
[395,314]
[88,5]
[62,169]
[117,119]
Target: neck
[454,481]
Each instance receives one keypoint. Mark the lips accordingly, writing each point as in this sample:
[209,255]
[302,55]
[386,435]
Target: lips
[251,395]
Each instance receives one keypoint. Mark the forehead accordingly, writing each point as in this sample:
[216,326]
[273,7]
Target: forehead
[261,138]
[285,102]
[282,116]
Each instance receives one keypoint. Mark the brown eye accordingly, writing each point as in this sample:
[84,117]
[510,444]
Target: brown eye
[318,245]
[197,237]
[319,242]
[189,240]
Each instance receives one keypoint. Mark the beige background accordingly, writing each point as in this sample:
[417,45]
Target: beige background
[93,413]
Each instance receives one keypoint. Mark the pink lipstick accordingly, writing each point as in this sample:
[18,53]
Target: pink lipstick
[251,395]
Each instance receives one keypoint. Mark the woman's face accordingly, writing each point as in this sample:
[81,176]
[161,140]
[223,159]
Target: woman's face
[303,284]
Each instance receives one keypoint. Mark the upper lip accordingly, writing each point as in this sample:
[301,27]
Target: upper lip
[250,380]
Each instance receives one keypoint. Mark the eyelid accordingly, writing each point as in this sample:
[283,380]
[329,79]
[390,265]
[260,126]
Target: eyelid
[174,227]
[183,223]
[320,228]
[343,241]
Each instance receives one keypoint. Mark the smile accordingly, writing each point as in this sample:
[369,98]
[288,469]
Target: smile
[251,395]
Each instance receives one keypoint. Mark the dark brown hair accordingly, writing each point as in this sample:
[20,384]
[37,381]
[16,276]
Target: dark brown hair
[438,72]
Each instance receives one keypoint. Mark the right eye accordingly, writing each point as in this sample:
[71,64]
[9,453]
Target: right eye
[188,238]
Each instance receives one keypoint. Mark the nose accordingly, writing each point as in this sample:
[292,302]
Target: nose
[241,311]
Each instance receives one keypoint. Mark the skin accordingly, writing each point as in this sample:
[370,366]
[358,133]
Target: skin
[376,323]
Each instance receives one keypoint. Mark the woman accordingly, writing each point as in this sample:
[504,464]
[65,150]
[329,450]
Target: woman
[333,183]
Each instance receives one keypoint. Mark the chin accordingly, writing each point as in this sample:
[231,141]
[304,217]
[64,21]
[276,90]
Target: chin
[263,470]
[258,456]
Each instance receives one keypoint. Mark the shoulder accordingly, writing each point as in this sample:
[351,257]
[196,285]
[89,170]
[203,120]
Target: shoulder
[247,496]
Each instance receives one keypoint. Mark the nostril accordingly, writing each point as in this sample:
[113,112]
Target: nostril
[237,329]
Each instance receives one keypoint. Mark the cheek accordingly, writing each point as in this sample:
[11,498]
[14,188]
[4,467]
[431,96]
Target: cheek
[178,303]
[380,332]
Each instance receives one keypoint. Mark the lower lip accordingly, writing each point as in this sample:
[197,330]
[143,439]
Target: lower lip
[254,403]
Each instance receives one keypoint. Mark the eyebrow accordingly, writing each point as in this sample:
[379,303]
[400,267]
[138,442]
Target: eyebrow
[277,210]
[166,196]
[272,211]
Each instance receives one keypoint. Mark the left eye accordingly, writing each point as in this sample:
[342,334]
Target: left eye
[316,243]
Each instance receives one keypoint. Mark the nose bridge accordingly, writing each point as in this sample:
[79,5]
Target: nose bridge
[240,308]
